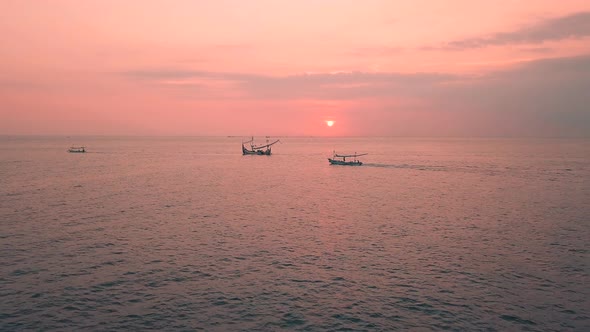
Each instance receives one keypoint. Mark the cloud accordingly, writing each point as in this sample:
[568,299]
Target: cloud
[572,26]
[538,50]
[343,85]
[336,85]
[550,93]
[550,75]
[20,85]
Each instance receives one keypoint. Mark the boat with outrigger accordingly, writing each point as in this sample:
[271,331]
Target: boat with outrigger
[340,159]
[77,149]
[260,150]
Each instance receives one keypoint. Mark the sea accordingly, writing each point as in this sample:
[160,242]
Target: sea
[186,234]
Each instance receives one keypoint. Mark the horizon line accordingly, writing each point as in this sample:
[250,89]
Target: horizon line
[292,136]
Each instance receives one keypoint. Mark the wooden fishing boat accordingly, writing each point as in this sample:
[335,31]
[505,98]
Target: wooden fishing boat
[340,159]
[260,150]
[77,149]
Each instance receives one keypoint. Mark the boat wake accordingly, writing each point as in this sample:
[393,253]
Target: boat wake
[409,166]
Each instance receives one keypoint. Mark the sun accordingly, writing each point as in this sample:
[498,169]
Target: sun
[330,123]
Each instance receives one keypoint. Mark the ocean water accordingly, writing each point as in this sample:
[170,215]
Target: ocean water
[188,234]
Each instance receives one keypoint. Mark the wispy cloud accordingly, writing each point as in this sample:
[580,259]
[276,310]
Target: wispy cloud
[337,85]
[22,85]
[538,50]
[550,92]
[572,26]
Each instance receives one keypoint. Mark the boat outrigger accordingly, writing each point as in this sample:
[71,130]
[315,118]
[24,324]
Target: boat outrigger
[261,150]
[77,149]
[340,159]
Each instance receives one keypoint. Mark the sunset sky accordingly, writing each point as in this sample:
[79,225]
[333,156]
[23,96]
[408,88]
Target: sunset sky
[400,68]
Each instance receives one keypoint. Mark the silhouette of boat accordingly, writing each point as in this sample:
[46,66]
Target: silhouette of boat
[340,159]
[77,149]
[260,150]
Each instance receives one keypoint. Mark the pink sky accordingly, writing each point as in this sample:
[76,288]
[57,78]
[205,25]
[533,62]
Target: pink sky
[402,68]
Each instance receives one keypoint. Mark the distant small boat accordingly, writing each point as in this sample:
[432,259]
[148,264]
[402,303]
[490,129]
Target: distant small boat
[260,150]
[77,149]
[340,159]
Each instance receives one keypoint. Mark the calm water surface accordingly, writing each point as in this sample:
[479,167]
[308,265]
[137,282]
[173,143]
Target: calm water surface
[188,234]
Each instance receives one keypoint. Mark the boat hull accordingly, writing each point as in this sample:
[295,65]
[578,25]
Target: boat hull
[266,152]
[344,163]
